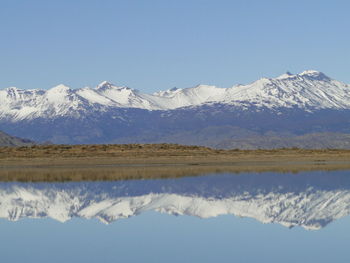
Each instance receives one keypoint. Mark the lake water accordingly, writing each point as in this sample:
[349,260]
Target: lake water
[262,217]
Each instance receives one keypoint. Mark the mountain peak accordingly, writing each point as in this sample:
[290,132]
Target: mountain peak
[104,84]
[314,74]
[60,88]
[310,72]
[286,75]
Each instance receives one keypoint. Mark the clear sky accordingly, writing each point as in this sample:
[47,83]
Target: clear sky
[155,45]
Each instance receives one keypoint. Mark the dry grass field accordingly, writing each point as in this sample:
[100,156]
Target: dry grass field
[136,161]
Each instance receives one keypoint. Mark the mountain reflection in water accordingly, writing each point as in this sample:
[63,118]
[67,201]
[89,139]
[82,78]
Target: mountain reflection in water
[310,199]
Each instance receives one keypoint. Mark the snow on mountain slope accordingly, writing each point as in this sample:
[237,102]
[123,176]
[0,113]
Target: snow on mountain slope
[308,90]
[176,98]
[19,104]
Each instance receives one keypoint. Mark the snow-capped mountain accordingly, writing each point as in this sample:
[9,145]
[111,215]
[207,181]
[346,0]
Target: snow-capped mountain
[309,200]
[293,105]
[307,90]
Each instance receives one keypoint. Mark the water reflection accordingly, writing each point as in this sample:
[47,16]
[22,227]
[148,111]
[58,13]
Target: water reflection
[311,200]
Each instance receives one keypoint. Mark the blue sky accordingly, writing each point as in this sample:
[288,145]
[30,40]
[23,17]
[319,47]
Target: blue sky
[156,45]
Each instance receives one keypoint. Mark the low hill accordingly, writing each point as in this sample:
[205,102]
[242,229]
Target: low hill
[8,140]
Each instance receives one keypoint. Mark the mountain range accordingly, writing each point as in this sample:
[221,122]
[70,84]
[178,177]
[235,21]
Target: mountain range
[286,108]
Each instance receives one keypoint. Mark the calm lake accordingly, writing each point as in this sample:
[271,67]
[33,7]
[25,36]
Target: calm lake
[251,217]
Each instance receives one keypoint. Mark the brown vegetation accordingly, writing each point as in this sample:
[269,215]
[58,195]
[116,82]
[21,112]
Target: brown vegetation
[135,161]
[147,150]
